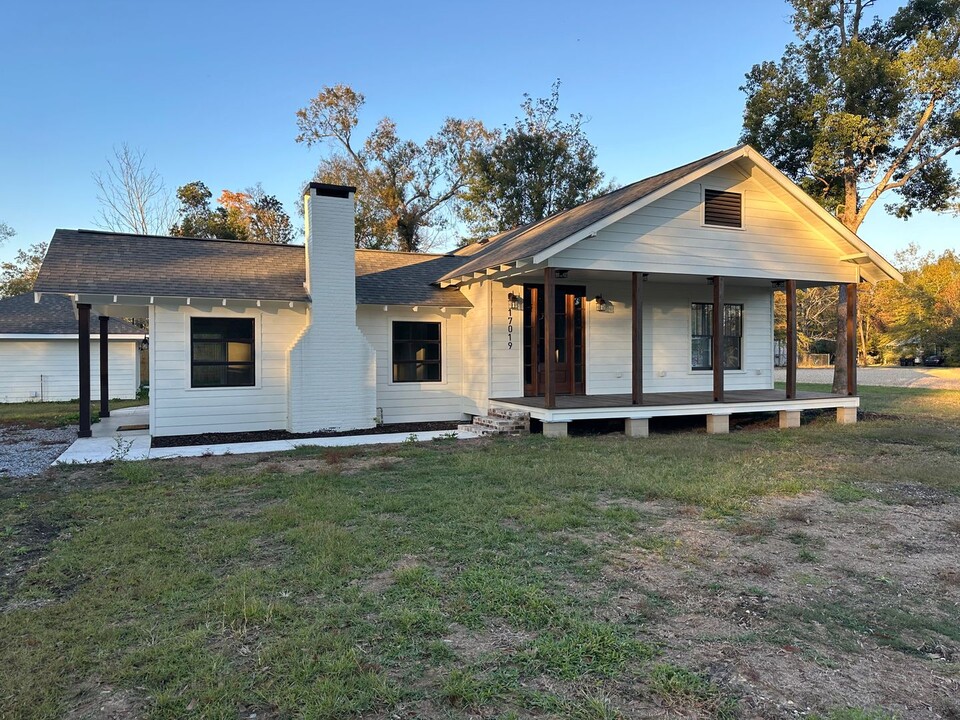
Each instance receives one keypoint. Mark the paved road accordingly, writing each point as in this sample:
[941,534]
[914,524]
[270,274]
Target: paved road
[920,377]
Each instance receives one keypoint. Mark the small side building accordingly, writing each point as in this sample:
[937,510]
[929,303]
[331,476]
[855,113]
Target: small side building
[39,351]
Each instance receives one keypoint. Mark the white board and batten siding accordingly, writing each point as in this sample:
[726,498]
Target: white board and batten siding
[399,402]
[668,236]
[49,369]
[178,409]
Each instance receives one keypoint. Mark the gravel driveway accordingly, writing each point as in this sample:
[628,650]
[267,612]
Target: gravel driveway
[895,376]
[26,451]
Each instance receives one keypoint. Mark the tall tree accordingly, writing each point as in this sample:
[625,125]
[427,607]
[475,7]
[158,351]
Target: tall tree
[540,165]
[404,188]
[132,197]
[861,108]
[18,276]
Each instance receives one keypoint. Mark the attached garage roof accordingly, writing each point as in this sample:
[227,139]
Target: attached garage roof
[53,315]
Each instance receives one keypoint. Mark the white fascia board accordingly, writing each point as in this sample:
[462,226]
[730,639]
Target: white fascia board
[66,336]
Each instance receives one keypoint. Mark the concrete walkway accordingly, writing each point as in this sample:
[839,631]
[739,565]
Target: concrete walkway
[111,443]
[887,376]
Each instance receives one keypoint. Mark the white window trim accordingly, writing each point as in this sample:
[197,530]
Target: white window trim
[703,209]
[443,353]
[257,350]
[743,339]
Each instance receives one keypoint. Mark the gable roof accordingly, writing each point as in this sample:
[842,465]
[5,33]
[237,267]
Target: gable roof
[528,240]
[399,278]
[53,315]
[91,261]
[538,241]
[96,262]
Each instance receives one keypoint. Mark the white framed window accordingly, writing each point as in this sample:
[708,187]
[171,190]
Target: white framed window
[701,336]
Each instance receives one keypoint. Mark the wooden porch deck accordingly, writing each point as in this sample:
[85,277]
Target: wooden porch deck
[570,408]
[585,402]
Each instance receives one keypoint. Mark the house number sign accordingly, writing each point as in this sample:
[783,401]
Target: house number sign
[509,328]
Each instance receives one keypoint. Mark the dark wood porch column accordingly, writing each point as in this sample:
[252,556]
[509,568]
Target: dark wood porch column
[104,362]
[791,292]
[716,350]
[549,339]
[852,339]
[83,330]
[637,326]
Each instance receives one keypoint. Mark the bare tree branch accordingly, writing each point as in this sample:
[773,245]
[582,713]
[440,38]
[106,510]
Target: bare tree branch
[133,198]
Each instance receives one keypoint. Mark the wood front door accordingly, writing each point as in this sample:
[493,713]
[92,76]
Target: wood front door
[570,346]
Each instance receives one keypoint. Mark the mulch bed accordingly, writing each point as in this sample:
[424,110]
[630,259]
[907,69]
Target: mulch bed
[265,435]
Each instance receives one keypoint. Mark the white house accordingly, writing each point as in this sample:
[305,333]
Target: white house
[39,348]
[635,293]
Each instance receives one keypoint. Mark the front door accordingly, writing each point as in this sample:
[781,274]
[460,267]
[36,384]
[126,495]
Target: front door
[569,348]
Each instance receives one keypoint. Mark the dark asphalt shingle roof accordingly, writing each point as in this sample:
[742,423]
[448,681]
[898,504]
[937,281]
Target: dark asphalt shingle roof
[53,315]
[396,278]
[523,242]
[87,261]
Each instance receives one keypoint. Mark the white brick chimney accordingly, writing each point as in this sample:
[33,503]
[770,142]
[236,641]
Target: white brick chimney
[332,382]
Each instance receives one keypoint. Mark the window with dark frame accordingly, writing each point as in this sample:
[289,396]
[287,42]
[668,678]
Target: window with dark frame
[221,352]
[701,336]
[724,209]
[416,351]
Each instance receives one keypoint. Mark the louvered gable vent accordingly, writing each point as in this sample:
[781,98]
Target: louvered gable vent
[722,208]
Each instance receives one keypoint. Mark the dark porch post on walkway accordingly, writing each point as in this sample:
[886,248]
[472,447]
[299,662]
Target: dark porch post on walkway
[716,350]
[549,339]
[791,292]
[104,361]
[83,311]
[637,326]
[852,339]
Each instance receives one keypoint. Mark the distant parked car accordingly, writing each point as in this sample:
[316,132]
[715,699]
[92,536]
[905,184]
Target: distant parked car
[908,360]
[933,360]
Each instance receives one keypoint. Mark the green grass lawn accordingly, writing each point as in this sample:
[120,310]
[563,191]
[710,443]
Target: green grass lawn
[54,414]
[499,579]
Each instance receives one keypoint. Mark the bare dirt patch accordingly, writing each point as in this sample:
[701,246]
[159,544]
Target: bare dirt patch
[94,699]
[495,639]
[808,604]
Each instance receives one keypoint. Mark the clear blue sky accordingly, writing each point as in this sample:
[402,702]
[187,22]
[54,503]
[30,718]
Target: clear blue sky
[209,89]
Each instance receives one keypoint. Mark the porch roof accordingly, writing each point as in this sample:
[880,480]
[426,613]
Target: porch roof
[53,315]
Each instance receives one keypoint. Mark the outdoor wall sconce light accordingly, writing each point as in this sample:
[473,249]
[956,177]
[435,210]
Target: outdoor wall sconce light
[603,305]
[516,301]
[145,343]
